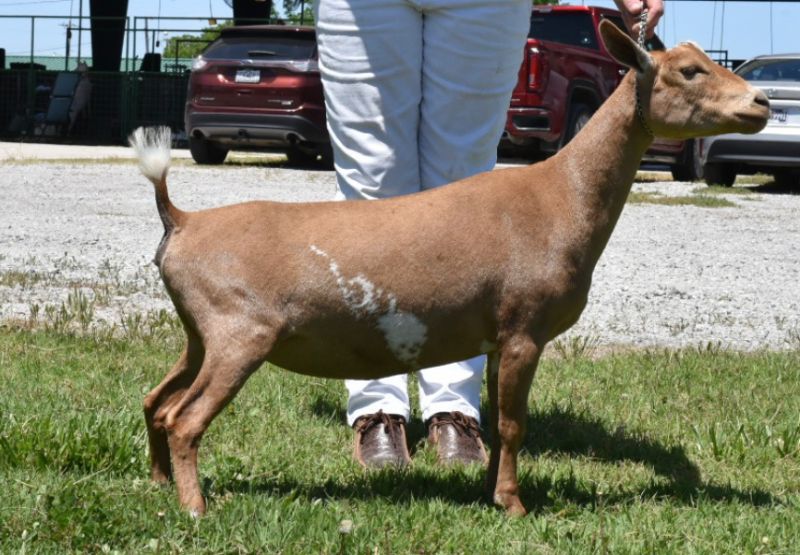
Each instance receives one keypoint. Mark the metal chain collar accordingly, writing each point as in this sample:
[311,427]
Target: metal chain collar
[639,109]
[642,27]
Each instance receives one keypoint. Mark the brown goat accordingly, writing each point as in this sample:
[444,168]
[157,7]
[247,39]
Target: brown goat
[370,289]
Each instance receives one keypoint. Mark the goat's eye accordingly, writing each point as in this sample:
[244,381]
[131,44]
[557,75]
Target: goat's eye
[690,71]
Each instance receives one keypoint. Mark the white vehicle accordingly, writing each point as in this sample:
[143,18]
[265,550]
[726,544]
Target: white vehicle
[776,149]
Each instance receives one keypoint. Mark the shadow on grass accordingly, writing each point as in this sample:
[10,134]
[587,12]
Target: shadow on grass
[554,431]
[559,431]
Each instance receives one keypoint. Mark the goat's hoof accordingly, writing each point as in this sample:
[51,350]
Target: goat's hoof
[196,512]
[195,508]
[511,503]
[516,510]
[160,478]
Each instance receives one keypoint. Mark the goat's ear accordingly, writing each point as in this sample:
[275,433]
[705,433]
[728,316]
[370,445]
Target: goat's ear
[623,48]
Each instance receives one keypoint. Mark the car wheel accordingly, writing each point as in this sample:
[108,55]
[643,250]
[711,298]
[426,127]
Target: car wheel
[697,159]
[579,115]
[719,174]
[690,168]
[205,152]
[326,156]
[301,158]
[786,178]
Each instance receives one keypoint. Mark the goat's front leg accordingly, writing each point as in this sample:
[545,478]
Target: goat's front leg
[518,359]
[220,378]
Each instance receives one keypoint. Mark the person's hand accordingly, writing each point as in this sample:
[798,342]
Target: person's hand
[632,9]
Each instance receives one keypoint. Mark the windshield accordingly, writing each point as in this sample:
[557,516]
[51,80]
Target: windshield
[575,28]
[771,70]
[271,48]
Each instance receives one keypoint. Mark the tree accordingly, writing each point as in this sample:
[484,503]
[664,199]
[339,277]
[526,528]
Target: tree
[190,45]
[299,12]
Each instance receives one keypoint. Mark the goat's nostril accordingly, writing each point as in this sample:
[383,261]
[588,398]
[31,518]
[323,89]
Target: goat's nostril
[761,99]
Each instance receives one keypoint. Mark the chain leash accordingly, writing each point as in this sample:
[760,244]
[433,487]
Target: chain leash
[642,27]
[639,109]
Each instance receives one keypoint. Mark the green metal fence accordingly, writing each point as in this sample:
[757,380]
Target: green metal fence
[118,102]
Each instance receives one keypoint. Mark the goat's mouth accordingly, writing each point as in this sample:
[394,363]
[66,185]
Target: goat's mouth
[752,121]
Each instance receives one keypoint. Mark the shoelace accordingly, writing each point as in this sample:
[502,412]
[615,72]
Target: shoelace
[465,425]
[390,425]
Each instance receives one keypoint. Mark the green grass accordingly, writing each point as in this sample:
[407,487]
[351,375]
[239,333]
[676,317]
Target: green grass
[700,200]
[693,451]
[720,190]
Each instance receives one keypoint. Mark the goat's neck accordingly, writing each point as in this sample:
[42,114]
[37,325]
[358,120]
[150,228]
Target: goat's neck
[601,162]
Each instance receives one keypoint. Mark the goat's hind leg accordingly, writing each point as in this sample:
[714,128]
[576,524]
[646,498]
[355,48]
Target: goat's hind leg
[224,371]
[158,402]
[492,373]
[518,359]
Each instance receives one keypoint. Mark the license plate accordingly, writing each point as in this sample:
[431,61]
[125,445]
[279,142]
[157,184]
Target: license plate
[248,76]
[777,115]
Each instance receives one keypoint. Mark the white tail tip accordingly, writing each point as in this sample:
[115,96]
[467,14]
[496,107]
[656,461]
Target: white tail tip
[152,146]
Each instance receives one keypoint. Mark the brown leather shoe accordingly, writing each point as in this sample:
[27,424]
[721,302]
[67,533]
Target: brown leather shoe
[457,438]
[381,440]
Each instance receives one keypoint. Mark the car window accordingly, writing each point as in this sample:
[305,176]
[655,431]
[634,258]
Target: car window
[271,48]
[573,28]
[771,70]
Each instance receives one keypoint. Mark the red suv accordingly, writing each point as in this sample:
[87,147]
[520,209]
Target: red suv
[254,87]
[566,74]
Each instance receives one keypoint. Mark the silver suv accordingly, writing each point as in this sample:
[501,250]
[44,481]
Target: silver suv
[776,149]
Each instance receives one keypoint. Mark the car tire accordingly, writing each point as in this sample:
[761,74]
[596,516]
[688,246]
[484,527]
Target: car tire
[300,158]
[690,167]
[719,174]
[326,156]
[206,153]
[786,178]
[579,115]
[320,155]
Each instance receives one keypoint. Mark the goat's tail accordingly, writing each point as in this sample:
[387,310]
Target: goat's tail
[152,147]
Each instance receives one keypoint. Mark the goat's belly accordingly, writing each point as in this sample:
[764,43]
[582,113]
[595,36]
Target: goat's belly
[374,349]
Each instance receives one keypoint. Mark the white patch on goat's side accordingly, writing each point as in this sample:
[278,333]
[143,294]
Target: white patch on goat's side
[405,334]
[359,293]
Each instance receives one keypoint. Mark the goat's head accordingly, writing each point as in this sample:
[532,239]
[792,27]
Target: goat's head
[686,94]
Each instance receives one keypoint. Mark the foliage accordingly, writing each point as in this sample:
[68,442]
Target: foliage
[299,12]
[191,44]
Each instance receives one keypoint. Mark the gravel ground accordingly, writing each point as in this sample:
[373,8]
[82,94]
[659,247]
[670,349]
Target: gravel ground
[671,275]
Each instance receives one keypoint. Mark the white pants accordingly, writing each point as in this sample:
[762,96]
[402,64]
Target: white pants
[416,93]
